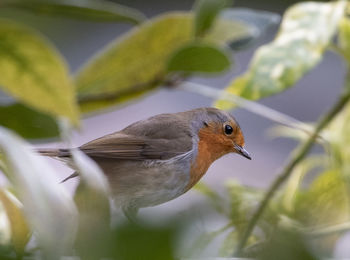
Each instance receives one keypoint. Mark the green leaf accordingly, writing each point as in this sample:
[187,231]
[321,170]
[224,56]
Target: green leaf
[145,242]
[48,208]
[286,245]
[206,12]
[326,202]
[229,245]
[213,196]
[136,63]
[92,200]
[199,57]
[20,232]
[294,183]
[204,240]
[305,32]
[344,38]
[33,72]
[28,123]
[94,10]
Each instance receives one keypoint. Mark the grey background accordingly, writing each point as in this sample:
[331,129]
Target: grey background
[306,101]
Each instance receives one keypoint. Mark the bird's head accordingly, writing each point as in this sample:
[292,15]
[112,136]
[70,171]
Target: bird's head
[220,133]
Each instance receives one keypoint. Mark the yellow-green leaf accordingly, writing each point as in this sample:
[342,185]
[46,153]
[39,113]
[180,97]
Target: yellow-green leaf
[344,37]
[33,72]
[137,62]
[229,245]
[306,30]
[20,232]
[326,202]
[92,200]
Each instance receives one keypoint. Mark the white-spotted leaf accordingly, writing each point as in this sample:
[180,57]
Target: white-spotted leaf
[306,30]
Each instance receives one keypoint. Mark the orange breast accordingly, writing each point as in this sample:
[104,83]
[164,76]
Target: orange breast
[211,146]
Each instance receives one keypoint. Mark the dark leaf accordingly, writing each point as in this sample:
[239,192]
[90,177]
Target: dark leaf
[28,123]
[199,57]
[94,10]
[206,12]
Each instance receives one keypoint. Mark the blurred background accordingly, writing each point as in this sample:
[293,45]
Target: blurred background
[311,97]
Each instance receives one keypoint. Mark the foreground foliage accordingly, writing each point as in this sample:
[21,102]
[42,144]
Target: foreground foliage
[161,52]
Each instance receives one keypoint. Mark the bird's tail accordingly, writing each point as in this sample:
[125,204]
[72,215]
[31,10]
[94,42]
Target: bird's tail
[53,152]
[59,154]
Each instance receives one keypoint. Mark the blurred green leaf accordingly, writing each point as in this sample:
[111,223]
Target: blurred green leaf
[228,247]
[206,12]
[136,63]
[344,37]
[27,122]
[306,30]
[48,208]
[91,174]
[199,57]
[325,203]
[242,202]
[287,246]
[295,180]
[33,72]
[204,240]
[145,242]
[20,232]
[92,200]
[95,10]
[213,196]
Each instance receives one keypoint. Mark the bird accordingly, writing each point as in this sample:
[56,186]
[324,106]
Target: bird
[155,160]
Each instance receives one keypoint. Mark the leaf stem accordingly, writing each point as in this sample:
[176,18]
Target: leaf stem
[110,96]
[251,106]
[295,159]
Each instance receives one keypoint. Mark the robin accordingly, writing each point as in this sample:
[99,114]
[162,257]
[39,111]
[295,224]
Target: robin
[158,159]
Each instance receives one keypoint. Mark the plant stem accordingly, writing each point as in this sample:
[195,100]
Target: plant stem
[251,106]
[295,159]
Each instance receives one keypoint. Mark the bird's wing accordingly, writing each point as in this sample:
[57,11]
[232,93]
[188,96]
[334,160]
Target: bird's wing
[160,137]
[129,147]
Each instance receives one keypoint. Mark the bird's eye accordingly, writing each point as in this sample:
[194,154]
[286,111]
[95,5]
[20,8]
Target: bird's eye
[228,129]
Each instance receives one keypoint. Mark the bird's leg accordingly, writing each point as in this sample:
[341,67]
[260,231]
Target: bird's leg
[73,175]
[131,213]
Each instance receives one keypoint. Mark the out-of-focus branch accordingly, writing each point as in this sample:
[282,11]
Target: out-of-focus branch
[246,104]
[295,159]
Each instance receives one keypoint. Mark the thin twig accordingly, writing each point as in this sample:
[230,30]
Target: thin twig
[248,105]
[120,93]
[203,90]
[295,159]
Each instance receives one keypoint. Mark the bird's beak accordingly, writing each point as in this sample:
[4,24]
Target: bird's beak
[240,150]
